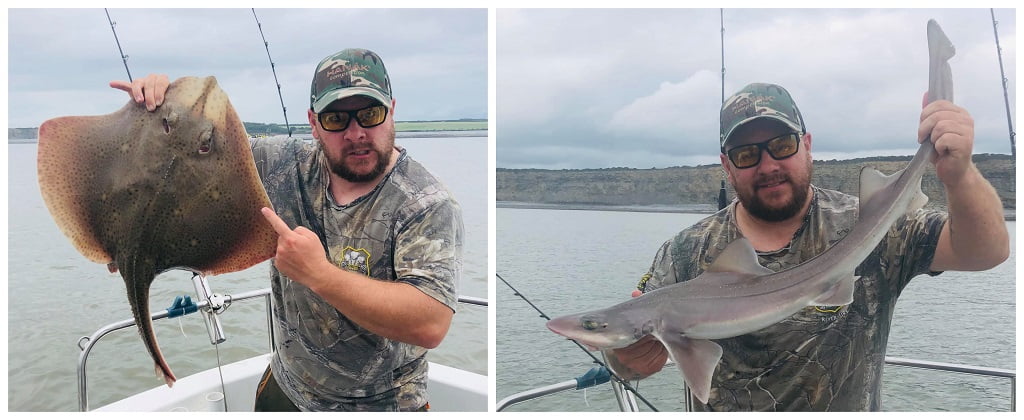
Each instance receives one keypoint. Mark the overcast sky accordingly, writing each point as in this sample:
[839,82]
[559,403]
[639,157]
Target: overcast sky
[61,60]
[642,88]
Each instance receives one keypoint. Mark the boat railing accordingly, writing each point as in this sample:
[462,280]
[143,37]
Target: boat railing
[626,401]
[86,343]
[974,370]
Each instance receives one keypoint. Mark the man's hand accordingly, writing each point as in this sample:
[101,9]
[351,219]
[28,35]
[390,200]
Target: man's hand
[640,359]
[300,255]
[951,130]
[149,90]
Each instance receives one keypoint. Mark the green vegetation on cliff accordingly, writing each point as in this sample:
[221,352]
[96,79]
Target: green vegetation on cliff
[700,185]
[273,129]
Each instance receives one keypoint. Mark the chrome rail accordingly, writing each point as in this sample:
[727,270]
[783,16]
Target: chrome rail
[90,341]
[473,300]
[627,404]
[952,367]
[595,376]
[534,394]
[86,343]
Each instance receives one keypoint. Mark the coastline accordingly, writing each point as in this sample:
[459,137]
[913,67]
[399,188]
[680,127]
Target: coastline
[398,134]
[657,208]
[1009,215]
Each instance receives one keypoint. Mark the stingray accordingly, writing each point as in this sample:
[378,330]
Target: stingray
[146,192]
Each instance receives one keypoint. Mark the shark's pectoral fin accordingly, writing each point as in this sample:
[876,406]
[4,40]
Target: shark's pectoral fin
[738,257]
[840,294]
[697,359]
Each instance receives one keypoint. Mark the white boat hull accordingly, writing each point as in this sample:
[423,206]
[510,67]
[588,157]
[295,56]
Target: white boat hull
[450,390]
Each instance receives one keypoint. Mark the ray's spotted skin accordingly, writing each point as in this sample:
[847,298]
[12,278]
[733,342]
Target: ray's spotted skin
[145,192]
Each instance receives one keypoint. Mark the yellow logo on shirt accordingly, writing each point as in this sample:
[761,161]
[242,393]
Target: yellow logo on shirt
[356,259]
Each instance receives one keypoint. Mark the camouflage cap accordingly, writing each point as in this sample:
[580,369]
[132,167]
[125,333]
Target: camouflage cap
[349,72]
[758,100]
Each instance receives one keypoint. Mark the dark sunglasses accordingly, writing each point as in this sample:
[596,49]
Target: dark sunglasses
[370,116]
[749,155]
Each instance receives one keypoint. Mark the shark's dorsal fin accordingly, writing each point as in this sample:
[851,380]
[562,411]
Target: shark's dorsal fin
[840,294]
[920,199]
[738,257]
[872,181]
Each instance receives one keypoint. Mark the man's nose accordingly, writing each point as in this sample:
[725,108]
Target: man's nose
[354,131]
[768,163]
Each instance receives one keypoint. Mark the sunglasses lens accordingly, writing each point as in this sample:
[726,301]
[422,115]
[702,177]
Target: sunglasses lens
[334,121]
[745,156]
[784,147]
[366,117]
[372,116]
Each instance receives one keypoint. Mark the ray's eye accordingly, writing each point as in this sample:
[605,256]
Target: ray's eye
[169,120]
[205,142]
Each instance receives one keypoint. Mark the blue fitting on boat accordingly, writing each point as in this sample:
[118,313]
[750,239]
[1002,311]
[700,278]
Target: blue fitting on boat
[183,305]
[595,376]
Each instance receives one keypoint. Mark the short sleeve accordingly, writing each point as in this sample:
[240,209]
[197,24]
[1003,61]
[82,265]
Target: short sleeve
[909,247]
[662,271]
[428,251]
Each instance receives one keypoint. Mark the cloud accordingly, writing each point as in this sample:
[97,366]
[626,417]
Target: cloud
[437,60]
[641,87]
[659,116]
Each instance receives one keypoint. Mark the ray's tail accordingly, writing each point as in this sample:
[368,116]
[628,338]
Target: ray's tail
[137,282]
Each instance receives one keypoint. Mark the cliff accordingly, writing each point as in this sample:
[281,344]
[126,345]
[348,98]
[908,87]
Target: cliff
[681,186]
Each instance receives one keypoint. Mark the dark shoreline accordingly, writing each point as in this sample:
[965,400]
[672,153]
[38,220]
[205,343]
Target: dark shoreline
[398,134]
[692,208]
[1009,215]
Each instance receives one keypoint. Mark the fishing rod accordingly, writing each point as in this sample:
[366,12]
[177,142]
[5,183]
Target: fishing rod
[124,58]
[618,379]
[722,194]
[273,70]
[721,18]
[1006,98]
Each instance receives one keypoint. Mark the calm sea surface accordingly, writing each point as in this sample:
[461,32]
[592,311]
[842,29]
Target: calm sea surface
[566,261]
[56,296]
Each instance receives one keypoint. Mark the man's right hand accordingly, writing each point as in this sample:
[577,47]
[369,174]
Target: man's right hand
[640,359]
[149,90]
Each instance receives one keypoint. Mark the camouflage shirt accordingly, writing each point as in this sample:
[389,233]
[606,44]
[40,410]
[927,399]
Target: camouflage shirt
[408,229]
[821,358]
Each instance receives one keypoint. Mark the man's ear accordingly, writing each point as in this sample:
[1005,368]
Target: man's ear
[726,166]
[312,122]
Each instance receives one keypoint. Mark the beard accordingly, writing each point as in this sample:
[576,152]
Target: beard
[761,209]
[349,173]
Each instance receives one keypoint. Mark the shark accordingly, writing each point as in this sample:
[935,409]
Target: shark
[736,295]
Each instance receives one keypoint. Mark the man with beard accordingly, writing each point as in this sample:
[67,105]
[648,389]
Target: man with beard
[365,282]
[821,358]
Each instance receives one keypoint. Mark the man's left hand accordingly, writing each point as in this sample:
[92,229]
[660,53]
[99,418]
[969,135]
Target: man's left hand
[951,130]
[300,255]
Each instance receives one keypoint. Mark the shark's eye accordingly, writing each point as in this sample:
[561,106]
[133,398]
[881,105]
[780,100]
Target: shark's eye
[592,325]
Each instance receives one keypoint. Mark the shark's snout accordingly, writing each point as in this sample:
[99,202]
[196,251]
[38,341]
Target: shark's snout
[561,326]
